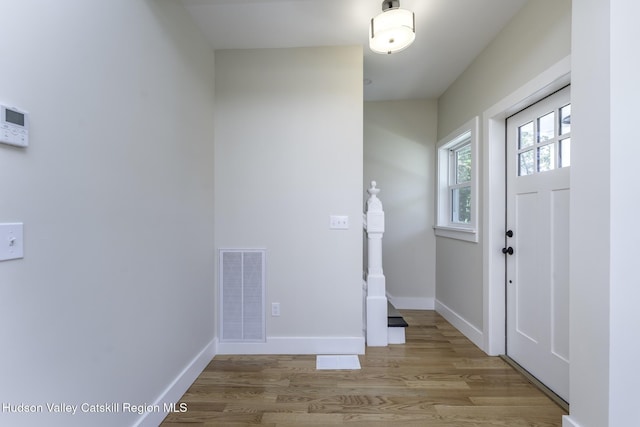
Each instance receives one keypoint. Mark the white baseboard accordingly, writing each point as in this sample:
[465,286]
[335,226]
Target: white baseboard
[410,303]
[178,387]
[468,330]
[568,422]
[296,345]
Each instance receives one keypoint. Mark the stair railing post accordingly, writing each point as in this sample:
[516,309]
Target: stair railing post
[377,322]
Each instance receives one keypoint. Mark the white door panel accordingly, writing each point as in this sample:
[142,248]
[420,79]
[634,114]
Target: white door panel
[527,297]
[538,159]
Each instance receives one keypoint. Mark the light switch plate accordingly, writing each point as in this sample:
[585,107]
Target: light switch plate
[11,241]
[275,309]
[339,222]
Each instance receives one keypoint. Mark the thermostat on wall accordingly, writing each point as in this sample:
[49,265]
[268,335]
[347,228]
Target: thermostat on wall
[14,126]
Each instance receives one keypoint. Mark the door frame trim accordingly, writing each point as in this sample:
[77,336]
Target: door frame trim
[493,197]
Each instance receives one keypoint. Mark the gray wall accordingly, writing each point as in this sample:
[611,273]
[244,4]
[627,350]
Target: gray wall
[288,155]
[399,154]
[114,297]
[536,38]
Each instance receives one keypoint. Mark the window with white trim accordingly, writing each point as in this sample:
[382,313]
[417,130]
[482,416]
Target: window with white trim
[457,213]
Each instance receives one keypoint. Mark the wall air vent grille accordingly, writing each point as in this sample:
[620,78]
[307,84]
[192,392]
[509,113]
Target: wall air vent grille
[242,289]
[242,280]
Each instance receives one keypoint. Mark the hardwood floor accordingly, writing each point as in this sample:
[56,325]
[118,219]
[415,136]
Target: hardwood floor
[437,379]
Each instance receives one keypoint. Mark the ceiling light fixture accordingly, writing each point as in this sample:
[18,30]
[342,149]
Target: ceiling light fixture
[393,30]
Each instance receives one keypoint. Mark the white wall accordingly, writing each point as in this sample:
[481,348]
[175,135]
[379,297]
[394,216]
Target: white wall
[114,297]
[399,154]
[288,155]
[604,283]
[590,216]
[536,38]
[625,205]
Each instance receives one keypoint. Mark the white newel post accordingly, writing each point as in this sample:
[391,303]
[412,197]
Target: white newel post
[377,334]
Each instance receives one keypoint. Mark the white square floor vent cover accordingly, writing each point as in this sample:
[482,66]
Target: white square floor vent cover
[337,362]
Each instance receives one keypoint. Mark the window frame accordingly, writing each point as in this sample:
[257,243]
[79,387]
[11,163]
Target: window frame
[446,182]
[453,183]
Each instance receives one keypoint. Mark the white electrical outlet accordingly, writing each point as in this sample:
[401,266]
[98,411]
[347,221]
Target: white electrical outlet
[11,244]
[339,222]
[275,309]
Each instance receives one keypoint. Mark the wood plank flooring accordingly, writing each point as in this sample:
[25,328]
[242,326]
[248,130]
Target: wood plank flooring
[437,379]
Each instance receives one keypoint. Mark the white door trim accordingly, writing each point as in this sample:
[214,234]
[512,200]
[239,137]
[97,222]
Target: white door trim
[493,199]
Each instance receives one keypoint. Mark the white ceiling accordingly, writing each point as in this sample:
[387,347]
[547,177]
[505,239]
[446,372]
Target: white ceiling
[449,35]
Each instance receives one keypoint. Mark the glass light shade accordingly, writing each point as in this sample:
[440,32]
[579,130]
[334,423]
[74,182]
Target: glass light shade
[392,31]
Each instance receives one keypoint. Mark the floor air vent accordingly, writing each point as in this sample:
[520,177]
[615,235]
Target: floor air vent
[242,281]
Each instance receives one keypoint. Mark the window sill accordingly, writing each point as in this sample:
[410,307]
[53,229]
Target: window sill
[459,233]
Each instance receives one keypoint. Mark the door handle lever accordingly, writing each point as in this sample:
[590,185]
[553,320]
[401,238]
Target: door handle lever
[508,250]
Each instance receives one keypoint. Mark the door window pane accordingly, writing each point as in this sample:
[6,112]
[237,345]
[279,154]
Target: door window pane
[565,119]
[546,127]
[546,156]
[525,163]
[461,205]
[525,136]
[565,153]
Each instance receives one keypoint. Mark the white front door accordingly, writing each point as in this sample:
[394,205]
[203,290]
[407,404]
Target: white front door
[538,167]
